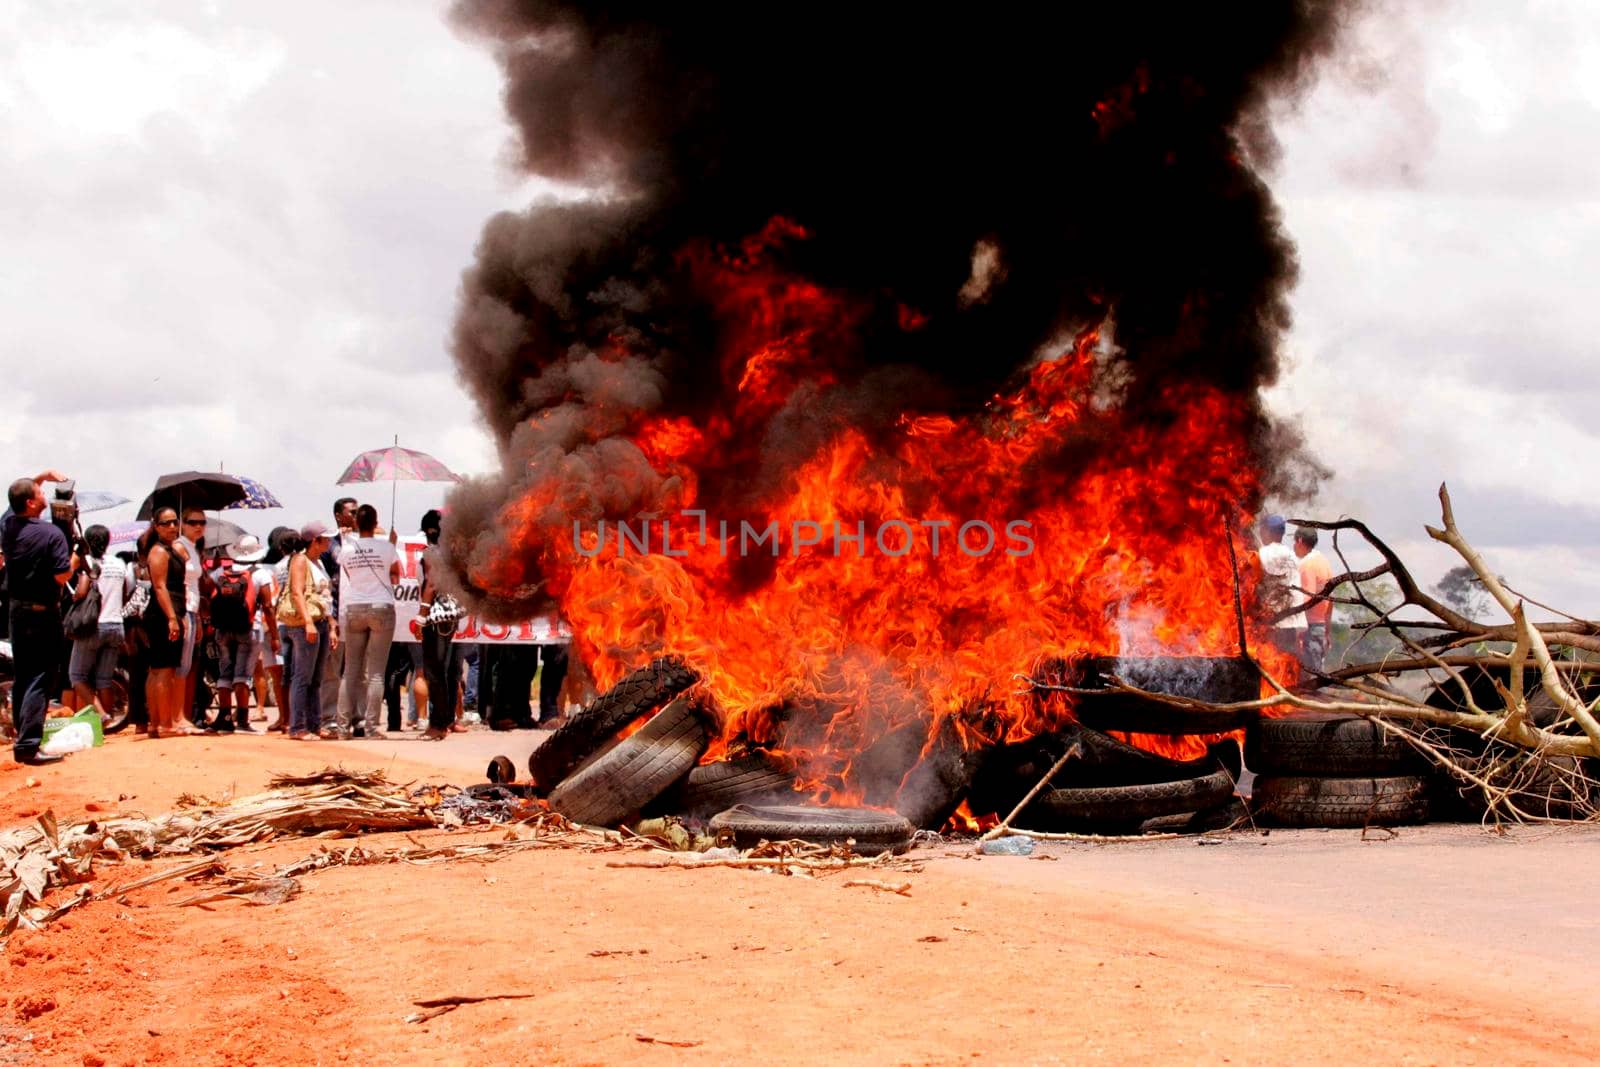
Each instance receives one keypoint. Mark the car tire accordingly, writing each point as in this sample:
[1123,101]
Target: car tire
[753,778]
[1123,807]
[1300,801]
[1328,746]
[636,695]
[615,785]
[870,831]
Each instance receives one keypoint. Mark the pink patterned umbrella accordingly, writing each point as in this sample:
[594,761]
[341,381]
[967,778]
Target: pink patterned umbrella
[396,464]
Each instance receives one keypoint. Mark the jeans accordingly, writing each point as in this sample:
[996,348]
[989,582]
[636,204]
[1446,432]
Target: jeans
[469,689]
[308,659]
[286,660]
[36,654]
[94,658]
[442,669]
[368,631]
[328,685]
[1314,646]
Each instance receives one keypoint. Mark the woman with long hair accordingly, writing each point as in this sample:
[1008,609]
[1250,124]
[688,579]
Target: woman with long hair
[94,658]
[311,635]
[164,620]
[276,649]
[369,569]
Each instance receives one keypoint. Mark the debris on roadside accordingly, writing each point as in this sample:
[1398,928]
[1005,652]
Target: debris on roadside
[38,859]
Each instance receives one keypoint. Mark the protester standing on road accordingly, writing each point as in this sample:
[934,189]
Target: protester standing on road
[1315,573]
[164,620]
[93,667]
[191,539]
[369,569]
[233,613]
[552,674]
[282,544]
[1280,585]
[268,643]
[38,562]
[344,517]
[311,631]
[440,665]
[135,641]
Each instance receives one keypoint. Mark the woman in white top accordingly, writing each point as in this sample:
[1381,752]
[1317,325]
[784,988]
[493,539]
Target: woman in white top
[313,635]
[93,666]
[369,569]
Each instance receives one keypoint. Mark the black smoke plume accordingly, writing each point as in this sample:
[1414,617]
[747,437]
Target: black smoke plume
[1014,172]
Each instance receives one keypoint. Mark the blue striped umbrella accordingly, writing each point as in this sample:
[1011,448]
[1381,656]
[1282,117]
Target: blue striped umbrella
[257,497]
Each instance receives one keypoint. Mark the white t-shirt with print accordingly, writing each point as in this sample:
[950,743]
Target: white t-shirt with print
[364,564]
[113,585]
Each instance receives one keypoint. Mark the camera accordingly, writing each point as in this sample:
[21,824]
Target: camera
[64,508]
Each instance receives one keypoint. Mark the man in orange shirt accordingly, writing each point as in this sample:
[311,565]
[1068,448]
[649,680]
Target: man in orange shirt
[1315,573]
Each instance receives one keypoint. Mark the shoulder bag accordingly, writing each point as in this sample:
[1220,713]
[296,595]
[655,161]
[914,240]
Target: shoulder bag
[316,603]
[83,618]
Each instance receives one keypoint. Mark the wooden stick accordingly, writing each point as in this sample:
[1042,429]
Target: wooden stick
[441,1005]
[1238,597]
[902,888]
[1104,838]
[1076,749]
[690,865]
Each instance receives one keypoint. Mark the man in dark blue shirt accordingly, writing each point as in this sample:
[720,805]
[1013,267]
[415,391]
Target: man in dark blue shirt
[37,564]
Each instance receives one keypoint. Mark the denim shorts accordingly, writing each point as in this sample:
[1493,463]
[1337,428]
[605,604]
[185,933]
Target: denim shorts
[94,658]
[236,659]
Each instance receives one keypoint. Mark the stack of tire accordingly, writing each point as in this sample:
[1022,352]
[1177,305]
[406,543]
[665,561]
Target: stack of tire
[1109,787]
[598,771]
[1322,770]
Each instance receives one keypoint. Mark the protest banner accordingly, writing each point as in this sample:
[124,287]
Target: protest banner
[539,631]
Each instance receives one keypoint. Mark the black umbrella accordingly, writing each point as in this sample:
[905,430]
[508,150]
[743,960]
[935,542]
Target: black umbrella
[193,489]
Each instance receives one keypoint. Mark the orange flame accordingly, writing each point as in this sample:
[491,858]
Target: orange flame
[829,647]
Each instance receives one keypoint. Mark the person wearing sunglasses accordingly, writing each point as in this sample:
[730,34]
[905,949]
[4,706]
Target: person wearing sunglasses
[313,633]
[191,540]
[163,621]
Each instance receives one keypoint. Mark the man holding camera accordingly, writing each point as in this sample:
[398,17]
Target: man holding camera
[38,562]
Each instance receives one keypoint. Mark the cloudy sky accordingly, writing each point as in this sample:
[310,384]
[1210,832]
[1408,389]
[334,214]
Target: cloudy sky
[234,233]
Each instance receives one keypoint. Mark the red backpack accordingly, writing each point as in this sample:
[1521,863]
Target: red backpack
[234,602]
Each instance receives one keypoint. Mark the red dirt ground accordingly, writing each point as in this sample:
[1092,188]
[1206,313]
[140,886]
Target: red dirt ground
[997,960]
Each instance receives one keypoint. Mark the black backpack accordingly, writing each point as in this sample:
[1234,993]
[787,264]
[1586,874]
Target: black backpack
[230,604]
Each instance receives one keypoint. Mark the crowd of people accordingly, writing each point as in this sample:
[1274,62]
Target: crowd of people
[306,621]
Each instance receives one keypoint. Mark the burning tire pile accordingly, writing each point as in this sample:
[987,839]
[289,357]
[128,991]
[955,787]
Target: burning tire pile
[637,751]
[598,769]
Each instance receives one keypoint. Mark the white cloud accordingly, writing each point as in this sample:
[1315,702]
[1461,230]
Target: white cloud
[1449,238]
[234,236]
